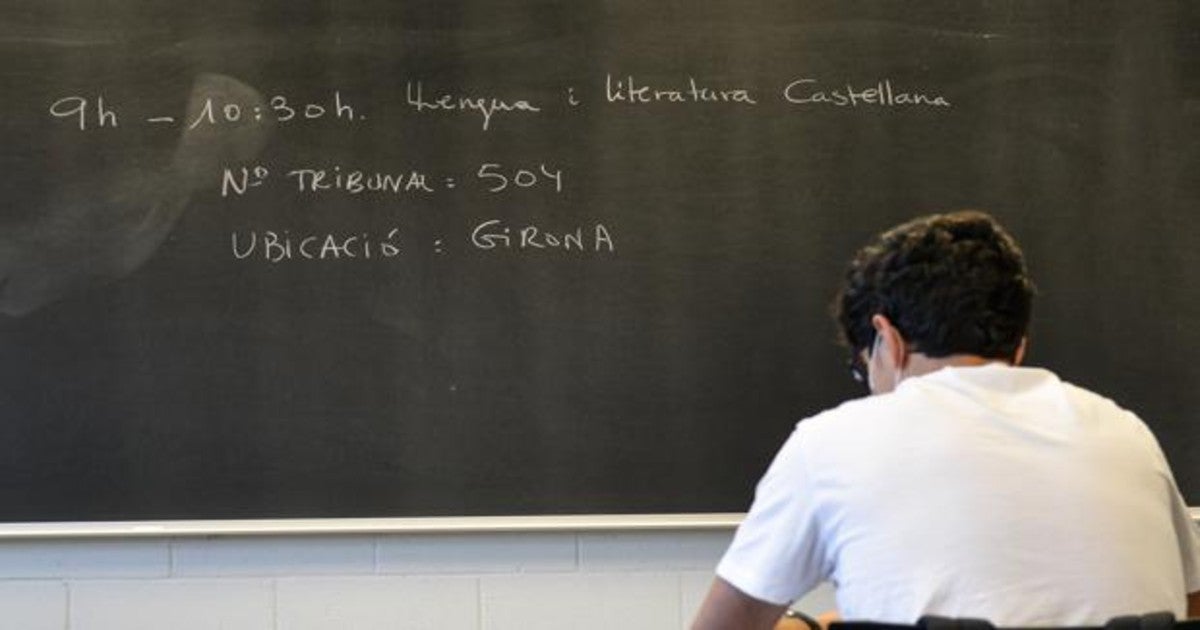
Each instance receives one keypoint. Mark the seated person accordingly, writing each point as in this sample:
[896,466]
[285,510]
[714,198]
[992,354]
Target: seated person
[966,485]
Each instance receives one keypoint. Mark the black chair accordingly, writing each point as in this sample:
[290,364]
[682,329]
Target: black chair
[1152,621]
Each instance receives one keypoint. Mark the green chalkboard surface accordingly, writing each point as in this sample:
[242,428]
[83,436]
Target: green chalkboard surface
[420,258]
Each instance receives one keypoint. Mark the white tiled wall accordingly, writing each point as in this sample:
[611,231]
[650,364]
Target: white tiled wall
[583,581]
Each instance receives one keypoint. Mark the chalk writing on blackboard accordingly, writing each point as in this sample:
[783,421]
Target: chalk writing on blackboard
[280,109]
[97,113]
[495,234]
[279,246]
[87,114]
[882,93]
[618,90]
[485,106]
[630,90]
[491,176]
[222,111]
[356,182]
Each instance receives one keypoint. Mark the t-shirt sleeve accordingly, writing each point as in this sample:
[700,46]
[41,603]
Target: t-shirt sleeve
[778,553]
[1188,534]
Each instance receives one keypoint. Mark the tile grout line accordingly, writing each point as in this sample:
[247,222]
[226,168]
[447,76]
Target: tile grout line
[67,613]
[479,603]
[679,620]
[275,603]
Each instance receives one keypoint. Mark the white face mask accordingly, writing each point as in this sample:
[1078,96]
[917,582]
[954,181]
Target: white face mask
[873,374]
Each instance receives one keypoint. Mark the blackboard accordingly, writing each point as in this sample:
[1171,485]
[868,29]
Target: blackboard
[421,258]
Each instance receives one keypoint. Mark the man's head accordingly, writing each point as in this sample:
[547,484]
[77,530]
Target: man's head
[944,287]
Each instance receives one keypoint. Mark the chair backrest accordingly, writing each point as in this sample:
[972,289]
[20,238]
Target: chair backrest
[1151,621]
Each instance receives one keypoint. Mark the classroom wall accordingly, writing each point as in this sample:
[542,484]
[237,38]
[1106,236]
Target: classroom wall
[584,581]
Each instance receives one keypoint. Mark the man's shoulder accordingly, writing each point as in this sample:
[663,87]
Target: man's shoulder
[848,416]
[1100,405]
[929,398]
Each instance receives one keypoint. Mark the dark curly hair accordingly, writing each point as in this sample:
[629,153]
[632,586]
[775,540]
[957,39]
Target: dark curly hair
[951,283]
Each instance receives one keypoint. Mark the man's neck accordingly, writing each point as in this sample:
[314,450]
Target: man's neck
[919,364]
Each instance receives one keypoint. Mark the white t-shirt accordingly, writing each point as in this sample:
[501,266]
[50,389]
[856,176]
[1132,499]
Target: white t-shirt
[991,492]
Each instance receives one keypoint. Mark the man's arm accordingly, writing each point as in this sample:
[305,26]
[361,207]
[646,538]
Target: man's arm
[727,608]
[803,622]
[1194,605]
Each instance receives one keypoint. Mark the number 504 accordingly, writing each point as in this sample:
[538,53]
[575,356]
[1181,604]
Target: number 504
[500,178]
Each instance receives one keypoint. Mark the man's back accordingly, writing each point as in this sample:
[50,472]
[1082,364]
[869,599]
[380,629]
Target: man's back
[994,492]
[964,486]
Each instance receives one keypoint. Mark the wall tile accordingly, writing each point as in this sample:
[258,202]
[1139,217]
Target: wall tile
[33,605]
[378,603]
[593,601]
[83,559]
[694,586]
[173,604]
[477,553]
[627,580]
[324,555]
[652,551]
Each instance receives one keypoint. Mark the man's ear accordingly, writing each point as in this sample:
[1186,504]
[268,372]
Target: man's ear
[890,341]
